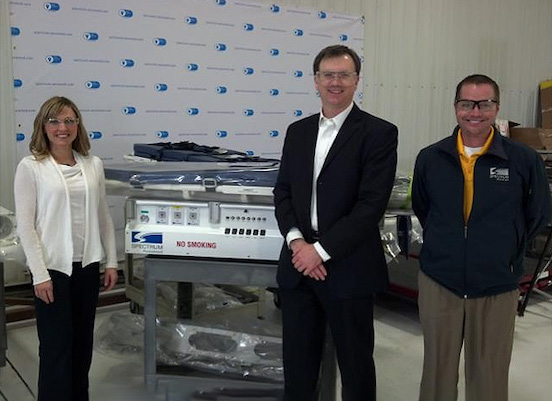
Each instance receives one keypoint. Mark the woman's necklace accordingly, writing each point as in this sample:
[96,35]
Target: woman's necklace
[66,161]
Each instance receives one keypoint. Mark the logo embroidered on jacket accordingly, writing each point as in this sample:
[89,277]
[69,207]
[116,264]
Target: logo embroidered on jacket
[499,174]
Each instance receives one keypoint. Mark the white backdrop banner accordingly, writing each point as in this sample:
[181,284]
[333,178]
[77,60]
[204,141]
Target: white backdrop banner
[225,73]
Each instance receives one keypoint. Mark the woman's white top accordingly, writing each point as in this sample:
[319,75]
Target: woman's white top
[45,221]
[77,194]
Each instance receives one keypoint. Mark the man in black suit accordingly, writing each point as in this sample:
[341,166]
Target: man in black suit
[335,178]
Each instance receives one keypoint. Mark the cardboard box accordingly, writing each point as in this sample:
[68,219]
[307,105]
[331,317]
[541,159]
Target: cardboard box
[546,104]
[537,138]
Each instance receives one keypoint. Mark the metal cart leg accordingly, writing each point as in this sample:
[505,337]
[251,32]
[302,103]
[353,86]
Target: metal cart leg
[150,337]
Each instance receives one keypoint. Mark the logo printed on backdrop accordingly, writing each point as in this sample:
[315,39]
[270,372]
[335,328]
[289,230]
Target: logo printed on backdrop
[15,31]
[274,52]
[248,71]
[221,90]
[221,133]
[160,87]
[53,59]
[126,63]
[193,111]
[49,6]
[274,133]
[128,110]
[322,15]
[275,8]
[92,84]
[91,36]
[248,27]
[248,112]
[95,135]
[160,42]
[20,136]
[17,83]
[162,134]
[343,38]
[191,20]
[126,13]
[220,47]
[193,67]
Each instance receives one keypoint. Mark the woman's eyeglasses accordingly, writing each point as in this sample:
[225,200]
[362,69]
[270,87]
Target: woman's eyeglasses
[56,122]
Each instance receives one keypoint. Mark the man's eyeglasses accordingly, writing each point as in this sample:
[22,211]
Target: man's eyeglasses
[328,76]
[469,105]
[68,122]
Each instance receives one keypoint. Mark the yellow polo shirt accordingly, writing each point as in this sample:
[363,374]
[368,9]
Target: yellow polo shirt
[468,164]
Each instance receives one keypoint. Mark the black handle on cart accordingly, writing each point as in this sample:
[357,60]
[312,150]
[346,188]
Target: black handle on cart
[239,394]
[539,268]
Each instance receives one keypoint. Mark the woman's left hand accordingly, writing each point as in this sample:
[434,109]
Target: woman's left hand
[110,278]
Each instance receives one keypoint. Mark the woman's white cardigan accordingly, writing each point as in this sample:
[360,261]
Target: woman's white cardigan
[43,214]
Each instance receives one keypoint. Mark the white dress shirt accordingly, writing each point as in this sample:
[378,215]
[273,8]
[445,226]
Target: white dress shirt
[328,128]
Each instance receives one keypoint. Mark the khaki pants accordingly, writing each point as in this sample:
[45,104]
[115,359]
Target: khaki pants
[484,326]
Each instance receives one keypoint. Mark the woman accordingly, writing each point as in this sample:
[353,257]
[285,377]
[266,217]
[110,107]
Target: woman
[63,222]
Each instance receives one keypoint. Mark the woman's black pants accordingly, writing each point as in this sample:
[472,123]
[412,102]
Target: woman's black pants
[66,333]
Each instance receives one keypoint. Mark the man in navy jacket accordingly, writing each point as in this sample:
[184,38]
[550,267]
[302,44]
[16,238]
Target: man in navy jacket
[480,198]
[335,178]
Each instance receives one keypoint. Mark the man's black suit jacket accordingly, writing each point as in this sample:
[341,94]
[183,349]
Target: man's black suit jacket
[353,187]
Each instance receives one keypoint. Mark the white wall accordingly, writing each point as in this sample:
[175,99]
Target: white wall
[416,51]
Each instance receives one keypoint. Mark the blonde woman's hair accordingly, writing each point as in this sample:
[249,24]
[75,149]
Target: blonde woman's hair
[40,144]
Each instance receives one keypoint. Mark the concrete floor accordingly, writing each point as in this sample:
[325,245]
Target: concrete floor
[398,355]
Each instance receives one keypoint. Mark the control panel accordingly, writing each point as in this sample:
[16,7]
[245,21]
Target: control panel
[202,229]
